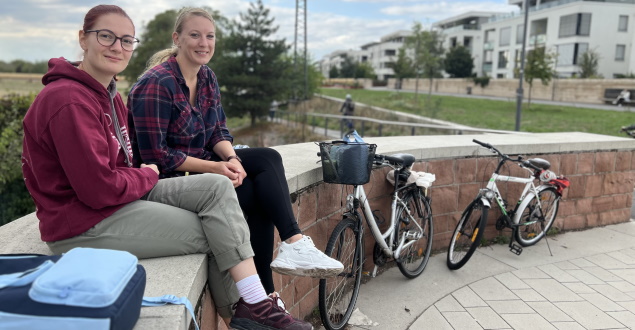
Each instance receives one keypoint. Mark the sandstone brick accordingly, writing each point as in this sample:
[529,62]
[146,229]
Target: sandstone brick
[581,206]
[623,160]
[633,160]
[465,170]
[554,160]
[577,187]
[302,286]
[319,234]
[568,164]
[420,166]
[603,203]
[443,170]
[593,220]
[605,162]
[288,296]
[618,183]
[594,185]
[567,207]
[309,303]
[307,207]
[329,199]
[575,222]
[585,163]
[442,223]
[614,216]
[445,200]
[467,193]
[485,167]
[441,241]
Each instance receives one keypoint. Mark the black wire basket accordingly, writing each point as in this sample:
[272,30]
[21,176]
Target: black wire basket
[347,163]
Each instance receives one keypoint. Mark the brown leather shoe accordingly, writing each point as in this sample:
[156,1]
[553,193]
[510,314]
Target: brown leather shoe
[267,314]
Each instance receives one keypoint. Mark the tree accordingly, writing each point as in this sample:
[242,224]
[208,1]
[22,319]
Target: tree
[538,65]
[158,36]
[252,66]
[428,50]
[403,67]
[459,62]
[588,64]
[334,72]
[364,70]
[348,68]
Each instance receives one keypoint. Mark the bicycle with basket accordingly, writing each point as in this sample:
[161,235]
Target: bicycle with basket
[407,239]
[530,218]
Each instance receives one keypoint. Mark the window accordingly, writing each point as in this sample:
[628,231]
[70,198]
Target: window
[622,25]
[520,34]
[390,52]
[575,25]
[620,50]
[505,36]
[503,59]
[488,56]
[569,54]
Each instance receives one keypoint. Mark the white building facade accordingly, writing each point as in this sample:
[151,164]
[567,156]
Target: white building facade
[566,28]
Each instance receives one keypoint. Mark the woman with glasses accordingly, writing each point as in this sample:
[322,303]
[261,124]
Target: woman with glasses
[180,126]
[78,166]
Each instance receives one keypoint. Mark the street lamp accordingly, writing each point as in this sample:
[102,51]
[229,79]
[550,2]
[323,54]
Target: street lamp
[519,92]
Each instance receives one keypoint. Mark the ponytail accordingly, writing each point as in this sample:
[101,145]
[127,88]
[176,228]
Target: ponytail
[160,57]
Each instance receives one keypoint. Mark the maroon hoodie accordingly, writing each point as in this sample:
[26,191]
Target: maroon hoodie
[72,162]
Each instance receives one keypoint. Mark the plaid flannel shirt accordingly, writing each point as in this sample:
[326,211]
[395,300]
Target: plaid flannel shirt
[166,127]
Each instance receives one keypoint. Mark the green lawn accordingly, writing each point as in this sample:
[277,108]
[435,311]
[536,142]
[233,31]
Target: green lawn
[494,114]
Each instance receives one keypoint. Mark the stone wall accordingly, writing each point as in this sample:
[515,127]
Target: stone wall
[565,90]
[602,178]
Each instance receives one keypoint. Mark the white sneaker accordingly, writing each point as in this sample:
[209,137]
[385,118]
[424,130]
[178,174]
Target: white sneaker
[302,258]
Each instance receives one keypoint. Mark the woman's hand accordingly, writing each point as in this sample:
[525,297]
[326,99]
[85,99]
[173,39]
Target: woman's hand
[231,169]
[242,174]
[152,166]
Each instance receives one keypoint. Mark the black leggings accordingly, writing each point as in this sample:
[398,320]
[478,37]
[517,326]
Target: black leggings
[264,198]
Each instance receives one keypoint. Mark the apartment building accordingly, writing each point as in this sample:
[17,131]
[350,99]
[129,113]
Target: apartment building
[466,30]
[567,28]
[378,54]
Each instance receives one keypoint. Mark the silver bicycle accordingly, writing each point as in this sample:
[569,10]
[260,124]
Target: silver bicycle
[407,239]
[530,218]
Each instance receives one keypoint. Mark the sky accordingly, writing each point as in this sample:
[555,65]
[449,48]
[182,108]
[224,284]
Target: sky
[37,30]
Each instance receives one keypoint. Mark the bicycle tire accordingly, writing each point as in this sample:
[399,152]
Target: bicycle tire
[467,234]
[537,225]
[412,261]
[338,294]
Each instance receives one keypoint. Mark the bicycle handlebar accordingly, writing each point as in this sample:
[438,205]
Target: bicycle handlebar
[490,147]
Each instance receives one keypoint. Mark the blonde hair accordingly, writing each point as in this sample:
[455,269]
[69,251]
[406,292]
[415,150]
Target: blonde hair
[185,13]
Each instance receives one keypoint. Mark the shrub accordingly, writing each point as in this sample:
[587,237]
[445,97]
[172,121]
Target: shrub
[14,197]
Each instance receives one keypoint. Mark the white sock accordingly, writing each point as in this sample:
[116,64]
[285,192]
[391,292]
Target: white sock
[251,289]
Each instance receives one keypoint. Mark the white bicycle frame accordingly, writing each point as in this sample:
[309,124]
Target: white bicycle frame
[529,190]
[380,238]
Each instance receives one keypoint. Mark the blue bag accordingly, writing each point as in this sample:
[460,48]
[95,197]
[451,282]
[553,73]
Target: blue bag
[85,288]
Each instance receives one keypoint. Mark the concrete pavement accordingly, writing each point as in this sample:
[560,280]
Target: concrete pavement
[588,283]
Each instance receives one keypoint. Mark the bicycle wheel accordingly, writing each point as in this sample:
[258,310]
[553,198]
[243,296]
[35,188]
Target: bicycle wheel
[536,221]
[467,234]
[414,220]
[338,295]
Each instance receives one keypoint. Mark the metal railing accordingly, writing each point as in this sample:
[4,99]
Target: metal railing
[363,124]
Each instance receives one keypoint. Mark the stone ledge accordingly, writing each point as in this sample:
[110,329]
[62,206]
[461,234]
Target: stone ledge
[303,169]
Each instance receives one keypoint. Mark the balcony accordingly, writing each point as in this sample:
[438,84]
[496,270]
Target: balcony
[487,67]
[537,40]
[460,28]
[488,45]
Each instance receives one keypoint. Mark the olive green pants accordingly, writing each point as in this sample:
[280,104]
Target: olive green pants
[184,215]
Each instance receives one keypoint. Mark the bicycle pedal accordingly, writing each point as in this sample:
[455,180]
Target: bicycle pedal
[516,249]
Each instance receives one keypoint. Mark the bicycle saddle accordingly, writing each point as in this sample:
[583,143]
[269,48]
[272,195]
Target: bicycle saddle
[407,159]
[539,162]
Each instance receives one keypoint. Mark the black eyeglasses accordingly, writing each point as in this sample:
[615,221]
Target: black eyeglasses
[108,38]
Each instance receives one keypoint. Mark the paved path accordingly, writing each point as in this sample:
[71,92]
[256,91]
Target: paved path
[588,283]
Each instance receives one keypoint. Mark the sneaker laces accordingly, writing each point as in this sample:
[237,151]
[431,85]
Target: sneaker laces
[275,296]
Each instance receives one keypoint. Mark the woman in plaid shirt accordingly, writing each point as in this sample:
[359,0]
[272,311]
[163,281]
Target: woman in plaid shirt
[180,126]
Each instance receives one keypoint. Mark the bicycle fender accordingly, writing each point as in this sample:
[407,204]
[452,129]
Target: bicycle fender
[486,202]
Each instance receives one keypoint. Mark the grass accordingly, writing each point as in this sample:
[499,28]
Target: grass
[493,114]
